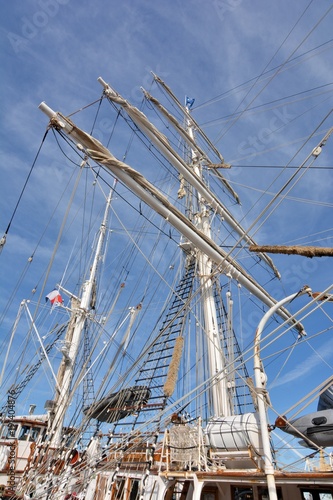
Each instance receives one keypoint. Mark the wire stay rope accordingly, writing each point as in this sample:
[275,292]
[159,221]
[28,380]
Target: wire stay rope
[219,137]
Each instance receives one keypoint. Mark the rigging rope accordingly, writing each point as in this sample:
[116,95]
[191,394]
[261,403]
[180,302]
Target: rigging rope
[220,96]
[291,178]
[286,184]
[31,257]
[84,107]
[319,167]
[281,100]
[278,71]
[286,197]
[4,237]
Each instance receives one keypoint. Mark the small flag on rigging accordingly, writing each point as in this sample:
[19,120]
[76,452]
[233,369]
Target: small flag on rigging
[189,102]
[54,297]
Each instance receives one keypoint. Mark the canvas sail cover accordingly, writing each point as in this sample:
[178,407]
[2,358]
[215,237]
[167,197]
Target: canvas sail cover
[326,399]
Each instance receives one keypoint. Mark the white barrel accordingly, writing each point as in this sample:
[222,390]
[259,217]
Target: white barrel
[235,433]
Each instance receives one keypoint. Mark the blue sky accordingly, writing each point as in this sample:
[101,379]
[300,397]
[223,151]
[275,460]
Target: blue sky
[261,74]
[55,50]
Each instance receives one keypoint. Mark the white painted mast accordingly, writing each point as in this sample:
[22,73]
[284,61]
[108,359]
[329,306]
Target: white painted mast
[79,317]
[161,142]
[219,391]
[140,186]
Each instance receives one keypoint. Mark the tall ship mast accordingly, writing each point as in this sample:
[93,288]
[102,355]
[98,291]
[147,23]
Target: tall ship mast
[81,309]
[160,388]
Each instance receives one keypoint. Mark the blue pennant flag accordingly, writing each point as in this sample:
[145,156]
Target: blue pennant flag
[189,102]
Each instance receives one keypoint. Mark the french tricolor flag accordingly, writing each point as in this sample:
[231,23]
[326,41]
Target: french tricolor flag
[54,297]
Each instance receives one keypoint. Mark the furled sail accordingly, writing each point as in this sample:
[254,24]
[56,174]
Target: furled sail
[163,145]
[119,405]
[156,200]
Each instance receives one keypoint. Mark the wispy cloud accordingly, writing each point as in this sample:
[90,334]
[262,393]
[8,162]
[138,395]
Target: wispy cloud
[308,365]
